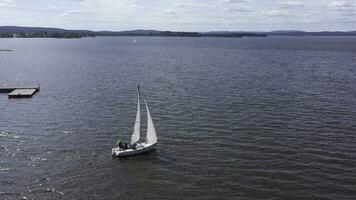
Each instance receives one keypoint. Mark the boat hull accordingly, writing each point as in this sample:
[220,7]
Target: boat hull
[142,148]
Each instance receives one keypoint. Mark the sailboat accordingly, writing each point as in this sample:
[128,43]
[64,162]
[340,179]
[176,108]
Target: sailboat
[137,147]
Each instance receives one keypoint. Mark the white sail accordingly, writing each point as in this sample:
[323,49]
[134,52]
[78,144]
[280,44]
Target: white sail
[151,137]
[136,133]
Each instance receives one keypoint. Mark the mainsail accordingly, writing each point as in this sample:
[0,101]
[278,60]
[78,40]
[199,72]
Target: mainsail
[136,133]
[151,137]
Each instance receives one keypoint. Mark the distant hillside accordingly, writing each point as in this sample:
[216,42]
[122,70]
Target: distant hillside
[17,31]
[11,31]
[29,32]
[140,32]
[236,33]
[147,33]
[304,33]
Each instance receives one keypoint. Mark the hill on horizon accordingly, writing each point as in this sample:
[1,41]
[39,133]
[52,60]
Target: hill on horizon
[143,32]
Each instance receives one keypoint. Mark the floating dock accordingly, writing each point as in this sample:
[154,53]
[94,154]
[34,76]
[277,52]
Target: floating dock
[20,92]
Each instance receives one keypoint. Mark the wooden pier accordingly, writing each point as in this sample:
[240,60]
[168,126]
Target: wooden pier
[19,92]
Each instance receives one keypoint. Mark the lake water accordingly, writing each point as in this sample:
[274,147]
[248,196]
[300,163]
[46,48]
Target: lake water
[244,118]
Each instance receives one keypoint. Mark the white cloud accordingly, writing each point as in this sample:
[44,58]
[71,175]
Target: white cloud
[292,4]
[184,15]
[70,12]
[180,5]
[7,3]
[274,13]
[234,1]
[237,10]
[343,7]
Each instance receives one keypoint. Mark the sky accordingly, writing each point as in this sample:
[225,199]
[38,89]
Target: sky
[182,15]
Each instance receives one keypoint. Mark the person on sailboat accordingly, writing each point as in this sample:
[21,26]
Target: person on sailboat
[122,144]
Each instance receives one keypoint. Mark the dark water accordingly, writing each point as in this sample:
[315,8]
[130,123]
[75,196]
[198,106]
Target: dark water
[250,118]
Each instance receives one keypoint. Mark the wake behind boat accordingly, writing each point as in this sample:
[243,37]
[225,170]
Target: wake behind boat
[135,146]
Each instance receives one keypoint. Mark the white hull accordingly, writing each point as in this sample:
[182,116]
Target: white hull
[140,149]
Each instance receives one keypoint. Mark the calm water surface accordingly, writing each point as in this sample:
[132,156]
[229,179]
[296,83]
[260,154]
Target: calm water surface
[250,118]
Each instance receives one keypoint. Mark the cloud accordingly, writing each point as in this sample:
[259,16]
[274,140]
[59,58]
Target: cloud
[275,13]
[180,5]
[234,1]
[184,15]
[70,12]
[7,3]
[237,10]
[169,12]
[56,7]
[291,4]
[343,7]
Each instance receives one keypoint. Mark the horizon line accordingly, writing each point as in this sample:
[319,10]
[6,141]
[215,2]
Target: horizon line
[149,29]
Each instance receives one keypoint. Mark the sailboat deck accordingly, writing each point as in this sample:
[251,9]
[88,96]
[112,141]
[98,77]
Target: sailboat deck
[141,148]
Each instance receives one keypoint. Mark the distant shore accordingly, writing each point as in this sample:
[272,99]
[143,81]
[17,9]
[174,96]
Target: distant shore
[78,34]
[43,32]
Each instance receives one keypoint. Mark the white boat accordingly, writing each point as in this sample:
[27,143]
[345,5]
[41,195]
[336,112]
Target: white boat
[137,147]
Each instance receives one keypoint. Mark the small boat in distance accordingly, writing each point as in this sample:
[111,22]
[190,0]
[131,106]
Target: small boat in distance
[135,146]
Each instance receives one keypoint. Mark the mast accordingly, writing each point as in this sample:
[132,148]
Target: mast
[136,132]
